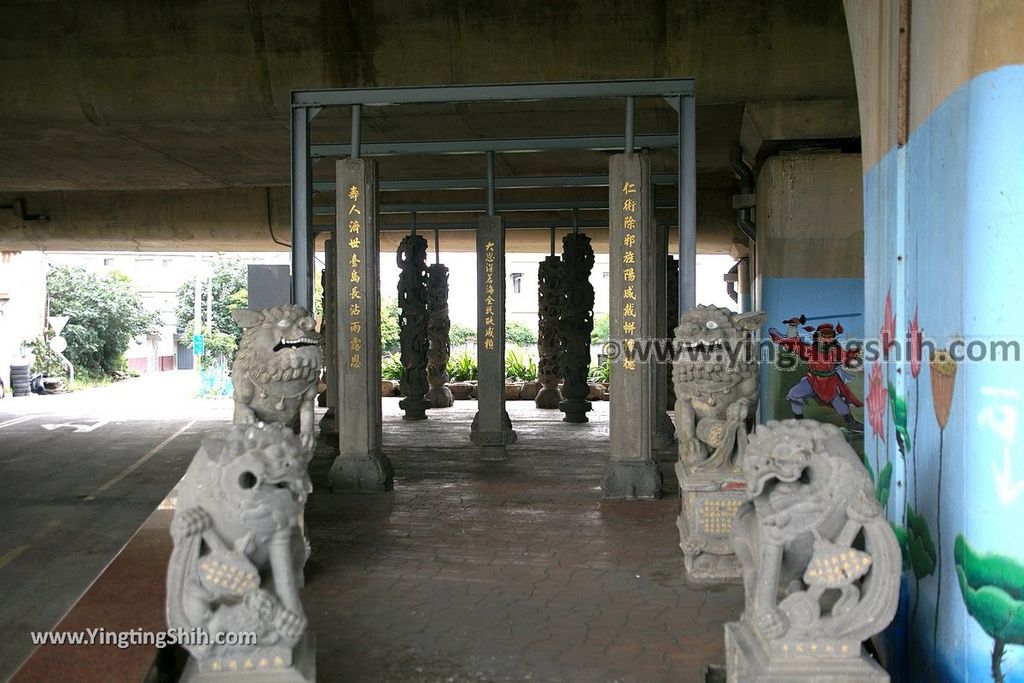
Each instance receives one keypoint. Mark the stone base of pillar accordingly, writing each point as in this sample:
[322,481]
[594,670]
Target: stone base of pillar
[575,409]
[328,424]
[492,442]
[750,660]
[361,474]
[415,407]
[709,503]
[549,396]
[440,397]
[302,669]
[631,479]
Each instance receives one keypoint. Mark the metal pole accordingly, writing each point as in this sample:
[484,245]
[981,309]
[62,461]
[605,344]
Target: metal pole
[357,130]
[302,211]
[630,125]
[552,241]
[490,184]
[437,245]
[412,224]
[687,203]
[575,221]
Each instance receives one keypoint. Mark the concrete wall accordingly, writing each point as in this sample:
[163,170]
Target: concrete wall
[22,304]
[809,259]
[944,240]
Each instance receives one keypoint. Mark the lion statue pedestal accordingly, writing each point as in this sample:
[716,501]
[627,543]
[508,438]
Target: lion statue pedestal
[238,555]
[821,565]
[715,375]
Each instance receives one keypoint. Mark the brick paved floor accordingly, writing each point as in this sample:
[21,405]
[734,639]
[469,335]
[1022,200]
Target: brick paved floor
[474,571]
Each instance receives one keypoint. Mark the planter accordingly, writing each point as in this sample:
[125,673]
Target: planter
[529,391]
[595,392]
[388,388]
[461,391]
[512,392]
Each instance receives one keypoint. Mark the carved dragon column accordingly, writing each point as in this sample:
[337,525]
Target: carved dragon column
[412,325]
[439,395]
[575,323]
[549,299]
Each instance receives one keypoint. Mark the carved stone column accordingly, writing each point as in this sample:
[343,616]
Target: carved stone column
[575,323]
[438,327]
[549,347]
[673,320]
[412,325]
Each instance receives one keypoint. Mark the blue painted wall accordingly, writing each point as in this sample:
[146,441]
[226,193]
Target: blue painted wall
[944,238]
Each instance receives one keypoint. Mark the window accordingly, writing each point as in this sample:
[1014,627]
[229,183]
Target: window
[108,261]
[517,283]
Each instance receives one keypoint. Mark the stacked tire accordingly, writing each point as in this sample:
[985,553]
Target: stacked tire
[21,380]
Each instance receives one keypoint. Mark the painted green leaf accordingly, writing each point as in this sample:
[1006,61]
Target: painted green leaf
[867,466]
[899,417]
[993,589]
[901,538]
[884,484]
[920,545]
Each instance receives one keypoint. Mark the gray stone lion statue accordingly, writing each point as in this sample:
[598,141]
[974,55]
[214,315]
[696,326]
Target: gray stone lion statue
[716,381]
[277,368]
[821,564]
[237,545]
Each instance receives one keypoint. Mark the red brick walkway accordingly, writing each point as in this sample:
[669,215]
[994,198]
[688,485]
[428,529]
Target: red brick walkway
[473,571]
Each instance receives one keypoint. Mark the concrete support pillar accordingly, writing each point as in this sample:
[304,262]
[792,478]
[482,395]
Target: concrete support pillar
[329,332]
[549,300]
[360,465]
[438,330]
[631,472]
[664,432]
[492,427]
[575,323]
[412,325]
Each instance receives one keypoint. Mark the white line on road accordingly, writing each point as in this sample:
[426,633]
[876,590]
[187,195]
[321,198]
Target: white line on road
[7,557]
[17,420]
[141,461]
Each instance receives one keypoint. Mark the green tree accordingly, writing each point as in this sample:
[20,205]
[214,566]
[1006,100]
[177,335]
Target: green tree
[519,333]
[389,340]
[229,292]
[458,333]
[600,333]
[105,313]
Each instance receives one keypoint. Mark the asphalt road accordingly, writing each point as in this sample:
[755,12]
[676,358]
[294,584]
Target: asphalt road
[79,473]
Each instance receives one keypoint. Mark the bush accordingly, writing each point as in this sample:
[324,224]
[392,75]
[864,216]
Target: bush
[105,313]
[519,367]
[458,333]
[600,373]
[601,331]
[519,334]
[391,367]
[389,339]
[462,368]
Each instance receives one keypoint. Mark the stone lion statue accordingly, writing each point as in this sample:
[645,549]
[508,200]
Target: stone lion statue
[821,565]
[715,374]
[277,368]
[236,541]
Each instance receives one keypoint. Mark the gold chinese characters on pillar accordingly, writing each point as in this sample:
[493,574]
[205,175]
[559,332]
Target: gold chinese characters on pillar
[356,309]
[630,288]
[489,341]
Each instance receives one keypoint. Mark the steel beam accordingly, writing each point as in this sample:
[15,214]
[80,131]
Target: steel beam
[482,207]
[478,146]
[472,225]
[499,92]
[500,183]
[687,201]
[302,211]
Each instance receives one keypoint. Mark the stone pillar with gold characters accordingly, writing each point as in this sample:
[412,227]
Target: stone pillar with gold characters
[631,470]
[360,465]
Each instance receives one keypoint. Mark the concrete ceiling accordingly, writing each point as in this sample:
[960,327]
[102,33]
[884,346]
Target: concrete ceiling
[147,114]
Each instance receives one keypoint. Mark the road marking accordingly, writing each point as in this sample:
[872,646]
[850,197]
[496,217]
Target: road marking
[6,558]
[79,429]
[141,461]
[50,526]
[17,420]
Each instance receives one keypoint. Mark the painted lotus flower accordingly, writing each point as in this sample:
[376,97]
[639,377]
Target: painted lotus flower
[916,341]
[878,399]
[943,372]
[993,589]
[888,333]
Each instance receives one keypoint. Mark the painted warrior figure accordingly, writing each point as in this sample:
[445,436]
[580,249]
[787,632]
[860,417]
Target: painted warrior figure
[826,376]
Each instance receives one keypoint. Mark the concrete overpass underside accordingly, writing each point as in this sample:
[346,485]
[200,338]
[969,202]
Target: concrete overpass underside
[169,129]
